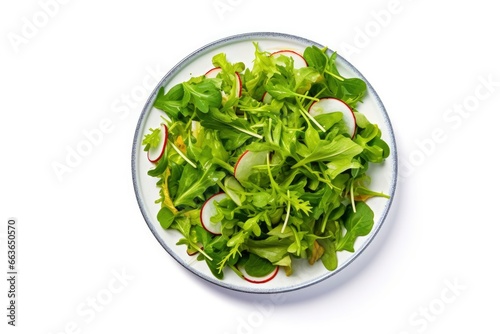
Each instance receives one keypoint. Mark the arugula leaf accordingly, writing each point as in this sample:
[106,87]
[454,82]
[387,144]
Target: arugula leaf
[357,224]
[305,77]
[165,217]
[272,248]
[160,167]
[361,191]
[194,183]
[374,148]
[251,105]
[329,257]
[256,266]
[216,249]
[316,58]
[317,252]
[217,120]
[204,95]
[220,60]
[172,102]
[279,91]
[341,151]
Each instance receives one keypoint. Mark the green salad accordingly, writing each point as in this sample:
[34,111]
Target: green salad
[258,167]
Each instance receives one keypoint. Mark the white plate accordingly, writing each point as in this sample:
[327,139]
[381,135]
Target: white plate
[241,48]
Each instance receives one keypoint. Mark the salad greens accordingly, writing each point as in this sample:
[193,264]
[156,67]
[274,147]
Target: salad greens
[306,201]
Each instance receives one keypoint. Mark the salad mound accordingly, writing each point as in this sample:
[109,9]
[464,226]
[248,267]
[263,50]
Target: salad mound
[260,167]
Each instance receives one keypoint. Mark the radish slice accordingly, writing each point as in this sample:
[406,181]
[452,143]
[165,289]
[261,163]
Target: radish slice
[330,104]
[259,280]
[208,210]
[155,153]
[267,98]
[240,84]
[195,128]
[213,72]
[247,161]
[216,70]
[298,60]
[232,187]
[192,252]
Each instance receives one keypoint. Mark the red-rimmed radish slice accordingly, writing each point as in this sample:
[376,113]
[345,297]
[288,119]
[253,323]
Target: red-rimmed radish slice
[259,280]
[192,252]
[155,153]
[216,70]
[213,72]
[232,188]
[195,128]
[208,210]
[247,161]
[298,60]
[240,84]
[267,98]
[330,104]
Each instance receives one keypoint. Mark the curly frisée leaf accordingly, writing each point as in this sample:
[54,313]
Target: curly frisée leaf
[152,139]
[156,143]
[261,168]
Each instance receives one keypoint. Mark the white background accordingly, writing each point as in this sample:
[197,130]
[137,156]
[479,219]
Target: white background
[431,269]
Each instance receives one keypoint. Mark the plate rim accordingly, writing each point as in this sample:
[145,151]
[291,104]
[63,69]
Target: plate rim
[243,37]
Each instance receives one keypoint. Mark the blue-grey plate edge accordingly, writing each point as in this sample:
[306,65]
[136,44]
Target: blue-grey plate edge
[249,36]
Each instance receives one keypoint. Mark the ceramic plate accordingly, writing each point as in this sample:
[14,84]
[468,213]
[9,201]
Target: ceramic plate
[241,48]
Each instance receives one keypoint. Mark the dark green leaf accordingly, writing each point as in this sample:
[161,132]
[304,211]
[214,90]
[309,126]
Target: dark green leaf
[160,167]
[256,266]
[357,224]
[315,57]
[204,95]
[165,217]
[194,183]
[341,149]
